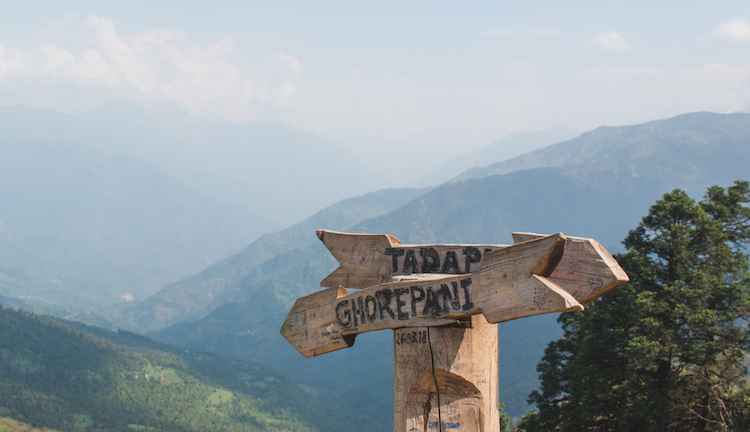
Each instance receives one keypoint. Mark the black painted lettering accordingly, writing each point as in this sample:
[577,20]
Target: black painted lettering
[468,304]
[370,300]
[358,308]
[344,317]
[384,302]
[472,256]
[410,262]
[430,260]
[450,264]
[398,292]
[415,299]
[447,297]
[395,253]
[431,303]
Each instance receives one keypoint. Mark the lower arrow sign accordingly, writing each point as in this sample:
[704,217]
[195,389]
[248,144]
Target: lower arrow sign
[587,271]
[512,284]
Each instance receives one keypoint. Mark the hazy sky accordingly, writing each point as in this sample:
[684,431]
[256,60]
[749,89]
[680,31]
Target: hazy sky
[411,82]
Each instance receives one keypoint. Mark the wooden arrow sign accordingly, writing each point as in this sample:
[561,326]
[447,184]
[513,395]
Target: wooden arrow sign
[512,283]
[587,270]
[369,259]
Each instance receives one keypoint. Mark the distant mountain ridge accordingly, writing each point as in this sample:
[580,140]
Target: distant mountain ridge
[104,226]
[195,296]
[597,185]
[499,150]
[269,169]
[681,149]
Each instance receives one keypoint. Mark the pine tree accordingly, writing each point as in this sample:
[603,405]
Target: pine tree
[667,351]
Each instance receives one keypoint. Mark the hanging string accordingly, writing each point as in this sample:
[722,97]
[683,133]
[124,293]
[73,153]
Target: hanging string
[434,378]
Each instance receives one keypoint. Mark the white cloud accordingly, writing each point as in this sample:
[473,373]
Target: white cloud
[289,61]
[154,66]
[610,41]
[521,32]
[12,62]
[376,116]
[732,31]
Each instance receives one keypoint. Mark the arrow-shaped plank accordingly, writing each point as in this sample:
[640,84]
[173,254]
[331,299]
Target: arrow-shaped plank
[512,284]
[369,259]
[586,271]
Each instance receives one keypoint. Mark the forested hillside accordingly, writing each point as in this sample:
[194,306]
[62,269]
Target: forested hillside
[682,151]
[667,352]
[55,375]
[602,197]
[8,424]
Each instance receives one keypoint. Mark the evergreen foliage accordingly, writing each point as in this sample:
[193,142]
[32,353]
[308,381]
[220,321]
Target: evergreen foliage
[54,375]
[666,352]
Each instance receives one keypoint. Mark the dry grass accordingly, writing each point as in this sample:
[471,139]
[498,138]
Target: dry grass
[7,424]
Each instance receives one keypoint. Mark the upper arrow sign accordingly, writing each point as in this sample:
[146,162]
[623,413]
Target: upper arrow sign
[369,259]
[587,271]
[512,283]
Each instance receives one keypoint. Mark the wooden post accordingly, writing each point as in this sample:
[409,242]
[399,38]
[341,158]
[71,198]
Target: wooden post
[444,303]
[446,378]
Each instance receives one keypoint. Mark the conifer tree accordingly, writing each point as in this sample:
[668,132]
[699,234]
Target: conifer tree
[666,352]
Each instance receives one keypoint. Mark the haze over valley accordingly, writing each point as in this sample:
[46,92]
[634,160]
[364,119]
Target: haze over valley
[163,175]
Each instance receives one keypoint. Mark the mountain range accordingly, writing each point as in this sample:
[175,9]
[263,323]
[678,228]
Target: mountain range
[503,149]
[194,297]
[83,229]
[596,185]
[270,169]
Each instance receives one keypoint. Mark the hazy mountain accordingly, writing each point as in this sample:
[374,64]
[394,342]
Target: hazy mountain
[80,227]
[466,212]
[195,296]
[503,149]
[688,151]
[268,168]
[611,178]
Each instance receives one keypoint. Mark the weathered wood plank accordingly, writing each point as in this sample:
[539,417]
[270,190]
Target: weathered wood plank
[587,271]
[512,284]
[370,259]
[446,376]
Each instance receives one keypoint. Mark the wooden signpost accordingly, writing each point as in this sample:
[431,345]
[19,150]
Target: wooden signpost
[443,302]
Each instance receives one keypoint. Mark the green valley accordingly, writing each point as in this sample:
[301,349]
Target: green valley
[596,185]
[62,377]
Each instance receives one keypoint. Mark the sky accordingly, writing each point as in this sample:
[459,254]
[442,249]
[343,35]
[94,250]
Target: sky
[409,84]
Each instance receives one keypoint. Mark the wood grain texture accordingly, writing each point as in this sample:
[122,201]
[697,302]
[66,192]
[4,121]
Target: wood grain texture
[587,271]
[506,288]
[370,259]
[445,378]
[443,302]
